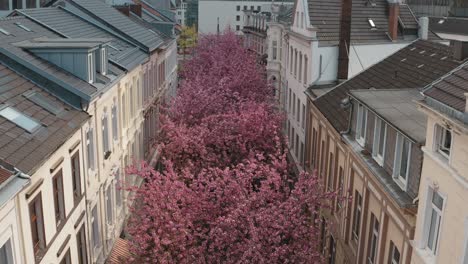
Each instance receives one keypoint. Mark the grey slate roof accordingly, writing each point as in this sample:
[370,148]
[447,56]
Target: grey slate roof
[415,66]
[18,34]
[450,90]
[117,21]
[397,107]
[449,25]
[72,26]
[326,14]
[20,148]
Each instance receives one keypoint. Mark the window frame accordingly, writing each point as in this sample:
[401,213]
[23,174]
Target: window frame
[59,199]
[440,136]
[81,245]
[95,231]
[105,134]
[362,116]
[399,179]
[430,209]
[90,68]
[7,246]
[379,124]
[103,61]
[374,240]
[41,244]
[90,149]
[391,257]
[115,126]
[356,227]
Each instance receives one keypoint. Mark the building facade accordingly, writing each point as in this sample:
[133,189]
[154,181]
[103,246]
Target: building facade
[363,146]
[229,14]
[180,13]
[322,49]
[441,233]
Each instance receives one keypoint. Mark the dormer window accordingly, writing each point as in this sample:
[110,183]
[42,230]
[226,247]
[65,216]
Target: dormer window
[371,23]
[361,125]
[90,68]
[443,137]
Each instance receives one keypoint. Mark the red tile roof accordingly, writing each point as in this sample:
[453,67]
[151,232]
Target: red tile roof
[120,253]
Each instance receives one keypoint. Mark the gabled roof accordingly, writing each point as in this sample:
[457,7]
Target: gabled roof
[414,66]
[112,18]
[34,63]
[451,89]
[24,150]
[326,15]
[73,26]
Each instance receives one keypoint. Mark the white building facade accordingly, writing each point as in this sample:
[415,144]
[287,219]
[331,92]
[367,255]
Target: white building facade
[214,15]
[307,56]
[180,13]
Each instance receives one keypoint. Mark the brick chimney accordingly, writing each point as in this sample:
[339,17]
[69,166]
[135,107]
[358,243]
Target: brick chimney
[393,14]
[345,39]
[124,9]
[136,9]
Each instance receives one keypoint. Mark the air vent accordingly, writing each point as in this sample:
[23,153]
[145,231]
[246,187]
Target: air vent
[20,119]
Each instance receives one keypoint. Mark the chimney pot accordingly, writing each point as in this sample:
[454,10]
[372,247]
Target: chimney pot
[136,9]
[423,28]
[124,9]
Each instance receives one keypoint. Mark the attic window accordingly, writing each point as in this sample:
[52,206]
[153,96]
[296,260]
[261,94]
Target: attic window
[90,68]
[20,119]
[23,26]
[43,102]
[103,61]
[441,21]
[443,58]
[371,23]
[4,32]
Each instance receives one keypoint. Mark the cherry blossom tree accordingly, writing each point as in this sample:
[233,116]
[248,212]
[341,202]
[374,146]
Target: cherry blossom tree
[226,193]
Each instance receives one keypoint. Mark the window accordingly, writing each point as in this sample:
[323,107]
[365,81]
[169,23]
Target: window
[238,8]
[323,234]
[433,218]
[258,8]
[6,253]
[295,63]
[274,49]
[90,68]
[291,61]
[103,61]
[332,251]
[289,98]
[245,7]
[115,129]
[330,172]
[374,239]
[109,205]
[293,134]
[303,116]
[31,4]
[237,27]
[298,117]
[300,66]
[305,69]
[20,119]
[90,148]
[251,7]
[37,224]
[294,105]
[59,204]
[394,254]
[340,188]
[443,140]
[301,159]
[314,146]
[402,160]
[4,5]
[105,135]
[66,258]
[297,147]
[17,4]
[81,245]
[237,18]
[118,191]
[361,125]
[95,227]
[380,134]
[357,215]
[76,177]
[371,23]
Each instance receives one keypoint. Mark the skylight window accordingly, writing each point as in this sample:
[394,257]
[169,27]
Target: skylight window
[371,23]
[441,21]
[23,26]
[44,102]
[4,32]
[20,119]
